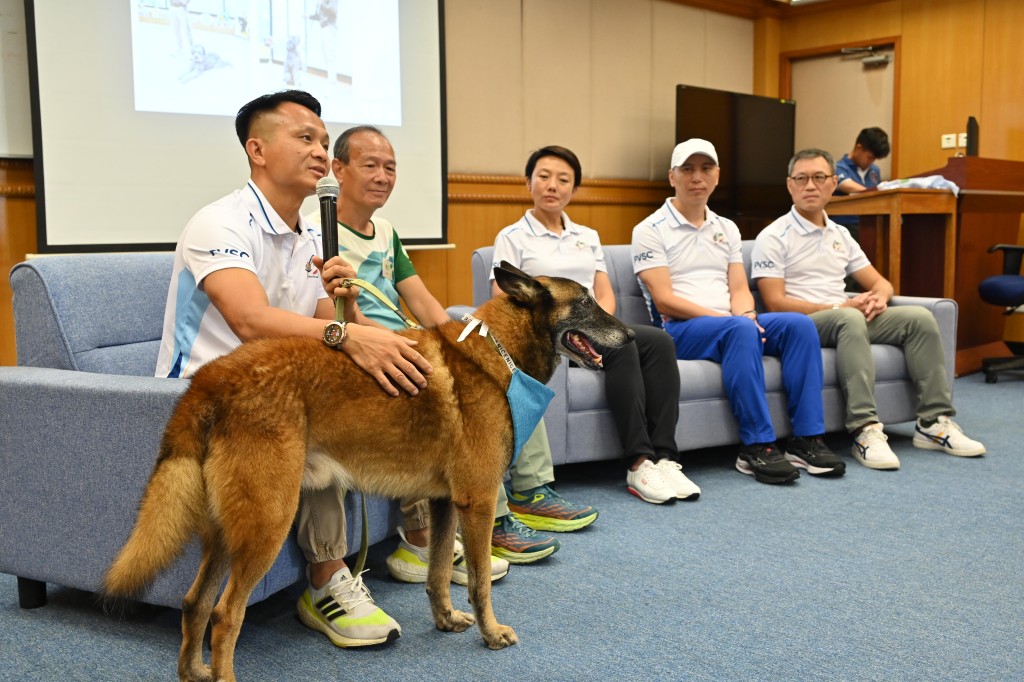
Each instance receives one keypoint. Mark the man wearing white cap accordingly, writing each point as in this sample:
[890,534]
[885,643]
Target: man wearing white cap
[690,265]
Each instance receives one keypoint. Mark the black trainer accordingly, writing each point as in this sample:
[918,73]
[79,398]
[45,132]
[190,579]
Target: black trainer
[813,455]
[766,463]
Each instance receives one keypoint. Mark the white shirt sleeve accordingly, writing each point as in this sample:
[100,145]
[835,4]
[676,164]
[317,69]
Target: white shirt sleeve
[213,240]
[505,250]
[767,259]
[648,249]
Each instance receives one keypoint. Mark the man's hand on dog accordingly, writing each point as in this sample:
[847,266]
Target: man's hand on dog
[387,357]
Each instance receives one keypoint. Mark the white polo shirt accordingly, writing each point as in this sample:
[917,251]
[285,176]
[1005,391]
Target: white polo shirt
[575,254]
[241,230]
[697,258]
[812,260]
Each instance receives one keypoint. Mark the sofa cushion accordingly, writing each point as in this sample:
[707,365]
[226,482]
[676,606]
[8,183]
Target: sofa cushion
[91,312]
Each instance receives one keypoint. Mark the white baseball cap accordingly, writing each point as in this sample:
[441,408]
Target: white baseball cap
[694,145]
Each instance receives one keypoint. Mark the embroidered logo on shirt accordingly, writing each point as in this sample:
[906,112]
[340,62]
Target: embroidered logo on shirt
[580,244]
[718,237]
[311,272]
[837,246]
[387,268]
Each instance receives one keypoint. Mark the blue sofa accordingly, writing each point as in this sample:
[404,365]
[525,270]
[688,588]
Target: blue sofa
[81,421]
[82,415]
[579,424]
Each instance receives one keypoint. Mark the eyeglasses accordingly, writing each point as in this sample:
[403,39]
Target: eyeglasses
[819,179]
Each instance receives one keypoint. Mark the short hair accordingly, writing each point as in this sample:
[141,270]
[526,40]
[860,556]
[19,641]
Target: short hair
[875,141]
[343,146]
[813,153]
[267,103]
[558,152]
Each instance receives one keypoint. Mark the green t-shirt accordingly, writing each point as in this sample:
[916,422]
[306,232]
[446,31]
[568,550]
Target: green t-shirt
[382,261]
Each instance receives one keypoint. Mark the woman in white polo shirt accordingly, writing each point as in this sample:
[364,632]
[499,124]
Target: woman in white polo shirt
[641,378]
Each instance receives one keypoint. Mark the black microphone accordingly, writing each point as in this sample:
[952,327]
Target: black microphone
[327,191]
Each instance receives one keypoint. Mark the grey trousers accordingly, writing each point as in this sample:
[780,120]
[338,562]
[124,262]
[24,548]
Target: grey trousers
[533,468]
[911,327]
[321,519]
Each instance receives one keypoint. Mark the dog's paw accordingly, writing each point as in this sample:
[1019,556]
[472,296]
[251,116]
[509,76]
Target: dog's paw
[455,621]
[501,637]
[201,673]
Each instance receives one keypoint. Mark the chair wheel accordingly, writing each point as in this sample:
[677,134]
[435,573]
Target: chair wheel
[991,378]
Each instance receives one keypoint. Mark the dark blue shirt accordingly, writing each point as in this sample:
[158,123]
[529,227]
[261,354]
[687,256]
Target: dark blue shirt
[846,169]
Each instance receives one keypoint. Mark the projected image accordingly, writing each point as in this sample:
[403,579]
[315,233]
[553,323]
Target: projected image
[207,56]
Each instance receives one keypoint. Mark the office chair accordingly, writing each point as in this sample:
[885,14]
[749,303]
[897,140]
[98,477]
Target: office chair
[1005,290]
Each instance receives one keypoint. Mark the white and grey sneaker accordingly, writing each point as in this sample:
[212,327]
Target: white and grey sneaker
[945,435]
[672,474]
[871,448]
[344,611]
[648,484]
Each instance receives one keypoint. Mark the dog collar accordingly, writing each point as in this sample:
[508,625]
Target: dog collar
[484,331]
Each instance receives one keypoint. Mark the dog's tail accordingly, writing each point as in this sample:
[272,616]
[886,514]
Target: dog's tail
[173,507]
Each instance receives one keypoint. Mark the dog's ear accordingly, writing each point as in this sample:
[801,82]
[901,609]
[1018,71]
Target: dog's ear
[517,284]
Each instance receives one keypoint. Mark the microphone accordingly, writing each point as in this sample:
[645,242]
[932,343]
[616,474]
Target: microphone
[327,191]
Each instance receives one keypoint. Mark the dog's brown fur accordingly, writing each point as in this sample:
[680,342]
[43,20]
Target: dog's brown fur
[277,415]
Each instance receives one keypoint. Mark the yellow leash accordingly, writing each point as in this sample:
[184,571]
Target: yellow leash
[339,308]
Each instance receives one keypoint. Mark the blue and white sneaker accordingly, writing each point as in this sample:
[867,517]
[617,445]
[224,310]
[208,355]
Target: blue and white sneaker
[945,435]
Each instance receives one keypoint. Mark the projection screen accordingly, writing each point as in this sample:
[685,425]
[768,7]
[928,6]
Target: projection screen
[133,106]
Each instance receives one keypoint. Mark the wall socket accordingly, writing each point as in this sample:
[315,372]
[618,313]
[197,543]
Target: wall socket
[961,140]
[948,141]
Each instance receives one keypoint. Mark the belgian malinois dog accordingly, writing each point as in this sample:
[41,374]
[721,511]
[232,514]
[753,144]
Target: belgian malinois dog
[278,415]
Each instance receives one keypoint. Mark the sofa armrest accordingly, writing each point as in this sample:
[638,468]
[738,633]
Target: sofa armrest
[946,314]
[456,312]
[76,450]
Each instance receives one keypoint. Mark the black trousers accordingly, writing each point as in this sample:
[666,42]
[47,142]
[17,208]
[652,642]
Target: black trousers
[642,390]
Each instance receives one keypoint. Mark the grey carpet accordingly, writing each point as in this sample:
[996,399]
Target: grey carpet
[908,575]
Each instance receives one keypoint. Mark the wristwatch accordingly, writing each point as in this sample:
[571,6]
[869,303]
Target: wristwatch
[335,334]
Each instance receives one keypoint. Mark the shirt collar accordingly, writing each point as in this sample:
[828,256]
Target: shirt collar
[267,218]
[538,230]
[805,227]
[680,221]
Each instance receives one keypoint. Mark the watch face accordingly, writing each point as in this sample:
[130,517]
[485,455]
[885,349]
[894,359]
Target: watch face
[333,333]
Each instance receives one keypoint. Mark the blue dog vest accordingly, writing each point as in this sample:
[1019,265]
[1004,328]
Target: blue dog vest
[527,398]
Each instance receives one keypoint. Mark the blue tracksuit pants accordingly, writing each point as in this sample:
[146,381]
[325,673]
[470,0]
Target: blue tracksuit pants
[736,344]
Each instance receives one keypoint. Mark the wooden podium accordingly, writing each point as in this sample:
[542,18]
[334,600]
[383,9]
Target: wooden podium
[884,247]
[926,260]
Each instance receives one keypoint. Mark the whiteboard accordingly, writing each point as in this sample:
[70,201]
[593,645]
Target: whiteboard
[15,112]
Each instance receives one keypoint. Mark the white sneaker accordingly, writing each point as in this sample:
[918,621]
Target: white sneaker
[672,474]
[871,448]
[344,611]
[946,435]
[409,563]
[648,484]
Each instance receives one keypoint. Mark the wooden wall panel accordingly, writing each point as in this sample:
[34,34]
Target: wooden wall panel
[767,34]
[559,74]
[597,76]
[481,205]
[620,40]
[824,25]
[484,76]
[17,238]
[1001,118]
[941,79]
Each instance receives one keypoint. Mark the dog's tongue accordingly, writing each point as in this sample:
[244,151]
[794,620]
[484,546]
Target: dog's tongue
[583,344]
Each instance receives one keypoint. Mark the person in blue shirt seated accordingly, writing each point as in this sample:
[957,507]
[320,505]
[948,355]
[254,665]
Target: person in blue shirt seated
[857,170]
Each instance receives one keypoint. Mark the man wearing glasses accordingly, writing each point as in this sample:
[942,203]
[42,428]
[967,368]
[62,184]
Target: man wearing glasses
[690,264]
[800,262]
